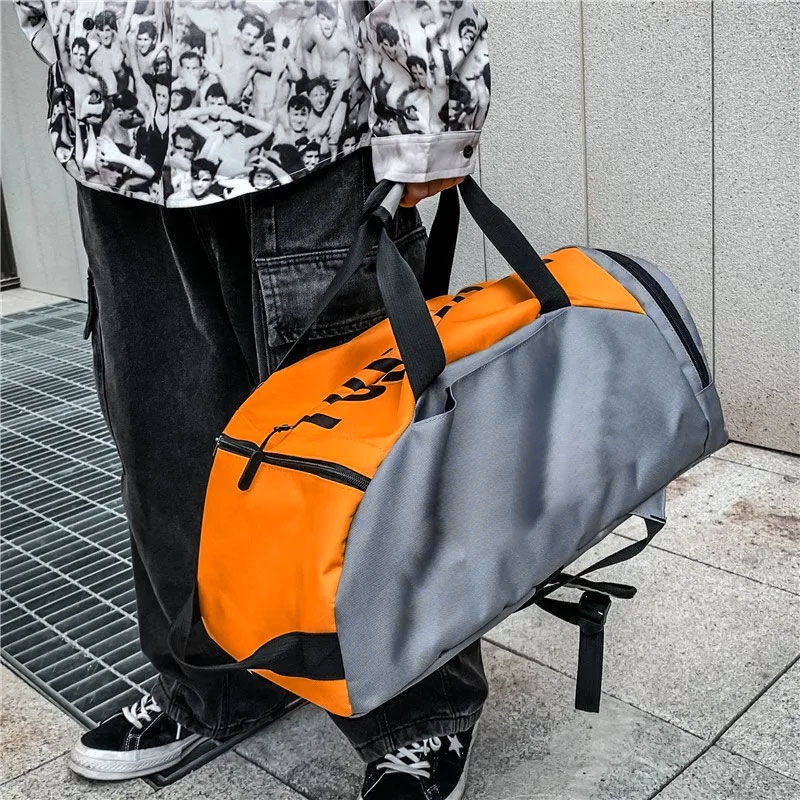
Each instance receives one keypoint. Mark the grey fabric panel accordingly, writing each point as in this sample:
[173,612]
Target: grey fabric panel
[717,432]
[677,301]
[507,612]
[555,438]
[653,310]
[435,399]
[655,507]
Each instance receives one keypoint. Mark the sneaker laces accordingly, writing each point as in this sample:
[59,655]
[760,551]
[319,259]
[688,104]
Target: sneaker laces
[140,711]
[413,765]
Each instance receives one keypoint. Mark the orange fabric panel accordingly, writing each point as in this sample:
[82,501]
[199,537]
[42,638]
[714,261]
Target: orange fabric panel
[273,561]
[330,695]
[588,284]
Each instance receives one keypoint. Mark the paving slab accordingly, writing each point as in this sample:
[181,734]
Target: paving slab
[761,458]
[32,729]
[718,775]
[306,751]
[14,300]
[693,647]
[531,744]
[225,778]
[55,780]
[769,732]
[735,517]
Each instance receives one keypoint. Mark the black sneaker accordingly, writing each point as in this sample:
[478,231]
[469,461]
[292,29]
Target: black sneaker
[139,740]
[433,769]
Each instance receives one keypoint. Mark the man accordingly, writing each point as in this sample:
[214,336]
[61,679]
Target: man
[190,72]
[116,160]
[107,60]
[327,39]
[199,192]
[73,57]
[177,165]
[196,299]
[241,60]
[227,146]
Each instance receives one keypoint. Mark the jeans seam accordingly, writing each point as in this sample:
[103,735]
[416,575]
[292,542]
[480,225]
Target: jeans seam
[447,689]
[392,734]
[210,254]
[213,731]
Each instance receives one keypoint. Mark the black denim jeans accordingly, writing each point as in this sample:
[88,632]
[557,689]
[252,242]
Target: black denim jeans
[189,310]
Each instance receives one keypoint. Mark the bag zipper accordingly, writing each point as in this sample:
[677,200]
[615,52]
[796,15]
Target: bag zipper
[658,294]
[256,456]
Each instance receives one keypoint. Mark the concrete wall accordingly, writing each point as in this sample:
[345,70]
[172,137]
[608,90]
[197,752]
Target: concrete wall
[667,129]
[39,194]
[664,128]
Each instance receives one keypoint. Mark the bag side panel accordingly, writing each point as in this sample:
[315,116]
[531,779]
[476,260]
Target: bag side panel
[548,443]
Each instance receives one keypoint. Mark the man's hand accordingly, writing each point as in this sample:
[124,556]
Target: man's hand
[419,191]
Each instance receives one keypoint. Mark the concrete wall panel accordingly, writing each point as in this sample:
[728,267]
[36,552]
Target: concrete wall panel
[757,182]
[39,194]
[532,147]
[648,77]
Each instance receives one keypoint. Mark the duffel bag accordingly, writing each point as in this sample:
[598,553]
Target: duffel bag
[374,508]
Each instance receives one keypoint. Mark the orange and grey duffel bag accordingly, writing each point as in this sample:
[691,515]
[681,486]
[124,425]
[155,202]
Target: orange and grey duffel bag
[457,456]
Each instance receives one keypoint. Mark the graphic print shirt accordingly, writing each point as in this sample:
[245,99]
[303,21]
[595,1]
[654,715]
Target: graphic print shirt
[189,102]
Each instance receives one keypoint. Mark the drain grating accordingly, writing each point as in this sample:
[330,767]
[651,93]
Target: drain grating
[67,605]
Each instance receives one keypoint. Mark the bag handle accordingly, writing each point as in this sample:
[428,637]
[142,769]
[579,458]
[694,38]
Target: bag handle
[514,247]
[415,333]
[412,325]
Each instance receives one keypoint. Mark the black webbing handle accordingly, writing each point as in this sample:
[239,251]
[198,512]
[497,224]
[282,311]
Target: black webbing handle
[514,247]
[417,340]
[366,238]
[442,241]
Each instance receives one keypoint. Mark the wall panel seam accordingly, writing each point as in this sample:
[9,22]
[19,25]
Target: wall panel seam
[584,131]
[713,208]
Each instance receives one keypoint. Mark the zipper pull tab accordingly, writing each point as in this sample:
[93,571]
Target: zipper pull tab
[249,472]
[276,429]
[256,459]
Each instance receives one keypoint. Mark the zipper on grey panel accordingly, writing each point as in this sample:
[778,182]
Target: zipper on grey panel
[656,291]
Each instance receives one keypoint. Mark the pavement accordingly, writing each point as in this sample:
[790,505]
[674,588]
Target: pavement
[701,684]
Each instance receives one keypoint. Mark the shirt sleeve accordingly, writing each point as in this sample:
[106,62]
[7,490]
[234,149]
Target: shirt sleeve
[33,20]
[426,65]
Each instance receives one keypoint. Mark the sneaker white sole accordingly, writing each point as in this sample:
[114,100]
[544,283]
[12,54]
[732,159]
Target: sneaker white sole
[111,765]
[461,786]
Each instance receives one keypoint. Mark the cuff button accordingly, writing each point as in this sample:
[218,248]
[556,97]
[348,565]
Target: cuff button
[468,151]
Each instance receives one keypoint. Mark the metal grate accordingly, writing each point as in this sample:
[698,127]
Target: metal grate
[67,605]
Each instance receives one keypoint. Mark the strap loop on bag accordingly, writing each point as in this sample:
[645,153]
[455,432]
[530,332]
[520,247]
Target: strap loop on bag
[317,656]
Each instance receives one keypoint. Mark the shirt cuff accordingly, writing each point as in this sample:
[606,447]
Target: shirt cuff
[417,158]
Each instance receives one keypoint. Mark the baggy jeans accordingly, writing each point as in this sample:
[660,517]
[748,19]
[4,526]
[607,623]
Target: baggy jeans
[189,310]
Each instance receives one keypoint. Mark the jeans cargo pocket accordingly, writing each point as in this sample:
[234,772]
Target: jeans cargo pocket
[292,286]
[91,309]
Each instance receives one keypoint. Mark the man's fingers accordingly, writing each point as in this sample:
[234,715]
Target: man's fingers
[413,194]
[419,191]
